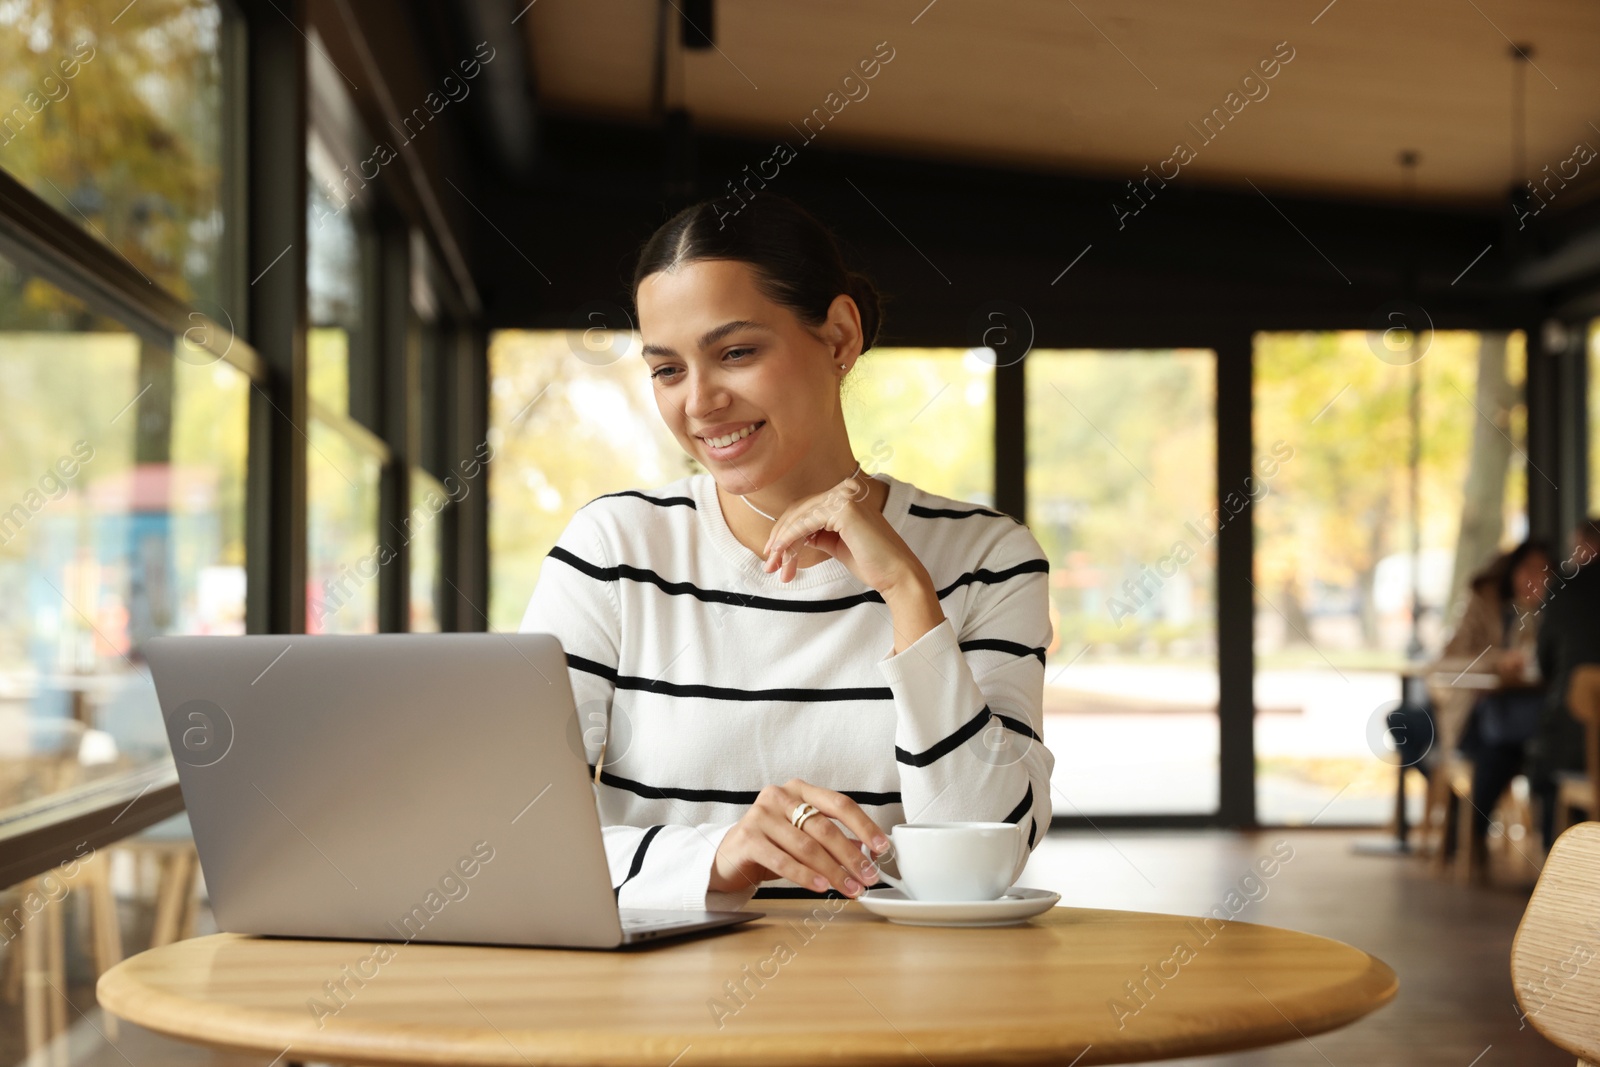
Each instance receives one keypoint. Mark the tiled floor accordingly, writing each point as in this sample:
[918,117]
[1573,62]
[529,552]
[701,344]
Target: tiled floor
[1450,945]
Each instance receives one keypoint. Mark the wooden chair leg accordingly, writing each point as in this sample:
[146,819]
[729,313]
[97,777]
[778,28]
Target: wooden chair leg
[107,926]
[95,877]
[191,897]
[1519,848]
[36,992]
[1466,842]
[11,988]
[1447,814]
[1428,839]
[172,897]
[56,966]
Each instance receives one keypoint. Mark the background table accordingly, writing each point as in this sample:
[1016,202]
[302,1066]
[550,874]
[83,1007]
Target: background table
[822,981]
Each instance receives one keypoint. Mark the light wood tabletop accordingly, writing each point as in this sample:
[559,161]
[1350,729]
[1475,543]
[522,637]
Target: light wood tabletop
[814,981]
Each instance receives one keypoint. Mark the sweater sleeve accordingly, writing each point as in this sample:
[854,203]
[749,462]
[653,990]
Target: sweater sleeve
[969,734]
[661,866]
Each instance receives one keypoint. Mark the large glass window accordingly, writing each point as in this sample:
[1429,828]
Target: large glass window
[122,463]
[925,416]
[122,490]
[343,550]
[337,266]
[344,460]
[429,499]
[1391,468]
[115,115]
[571,416]
[1122,496]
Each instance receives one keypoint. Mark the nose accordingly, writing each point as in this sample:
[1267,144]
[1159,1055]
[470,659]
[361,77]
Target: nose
[706,395]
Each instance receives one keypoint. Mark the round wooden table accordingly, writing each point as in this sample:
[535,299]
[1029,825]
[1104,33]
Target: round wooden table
[812,982]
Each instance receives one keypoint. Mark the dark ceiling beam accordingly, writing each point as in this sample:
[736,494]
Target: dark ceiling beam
[1575,260]
[943,240]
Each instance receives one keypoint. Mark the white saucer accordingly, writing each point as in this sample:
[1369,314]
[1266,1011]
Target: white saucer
[1015,906]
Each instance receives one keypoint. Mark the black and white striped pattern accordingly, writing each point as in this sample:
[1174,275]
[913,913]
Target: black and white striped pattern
[719,679]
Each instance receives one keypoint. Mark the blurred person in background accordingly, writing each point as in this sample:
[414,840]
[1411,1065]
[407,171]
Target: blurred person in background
[1568,638]
[1497,634]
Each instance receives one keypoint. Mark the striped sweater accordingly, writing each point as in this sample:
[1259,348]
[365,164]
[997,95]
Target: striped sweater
[708,679]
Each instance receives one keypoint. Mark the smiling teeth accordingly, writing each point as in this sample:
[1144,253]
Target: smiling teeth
[725,441]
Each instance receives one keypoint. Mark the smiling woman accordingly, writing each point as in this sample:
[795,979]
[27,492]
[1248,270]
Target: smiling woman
[885,662]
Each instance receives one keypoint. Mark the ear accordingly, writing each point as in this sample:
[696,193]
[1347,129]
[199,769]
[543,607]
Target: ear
[843,329]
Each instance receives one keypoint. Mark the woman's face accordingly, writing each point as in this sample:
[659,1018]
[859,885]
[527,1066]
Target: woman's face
[724,359]
[1531,578]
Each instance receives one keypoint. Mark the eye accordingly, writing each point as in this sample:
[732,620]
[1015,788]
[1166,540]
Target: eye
[661,370]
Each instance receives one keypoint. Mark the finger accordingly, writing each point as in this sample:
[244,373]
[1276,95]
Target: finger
[773,857]
[808,850]
[846,853]
[801,519]
[776,533]
[757,847]
[778,558]
[779,800]
[775,807]
[838,806]
[779,851]
[741,852]
[785,534]
[777,562]
[783,800]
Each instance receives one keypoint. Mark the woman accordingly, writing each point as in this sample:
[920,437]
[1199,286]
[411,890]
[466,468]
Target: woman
[1497,634]
[789,631]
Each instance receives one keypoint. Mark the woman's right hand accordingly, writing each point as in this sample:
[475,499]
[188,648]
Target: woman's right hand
[764,844]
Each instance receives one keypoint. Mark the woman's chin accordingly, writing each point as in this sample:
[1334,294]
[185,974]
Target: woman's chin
[737,482]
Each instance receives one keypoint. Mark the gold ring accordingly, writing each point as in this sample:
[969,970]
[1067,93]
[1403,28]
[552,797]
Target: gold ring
[801,813]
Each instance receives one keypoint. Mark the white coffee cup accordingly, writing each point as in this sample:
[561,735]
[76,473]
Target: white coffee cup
[949,861]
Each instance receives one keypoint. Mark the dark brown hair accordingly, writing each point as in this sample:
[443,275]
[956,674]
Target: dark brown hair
[797,261]
[1513,559]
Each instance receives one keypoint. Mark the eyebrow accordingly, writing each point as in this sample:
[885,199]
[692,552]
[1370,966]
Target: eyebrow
[710,337]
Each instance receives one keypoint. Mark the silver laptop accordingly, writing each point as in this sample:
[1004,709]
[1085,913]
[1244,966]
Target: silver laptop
[395,787]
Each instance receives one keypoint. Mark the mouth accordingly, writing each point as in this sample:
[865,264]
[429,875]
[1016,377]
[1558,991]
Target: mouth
[724,440]
[735,443]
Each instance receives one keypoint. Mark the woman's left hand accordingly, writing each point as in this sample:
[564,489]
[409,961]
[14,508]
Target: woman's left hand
[842,523]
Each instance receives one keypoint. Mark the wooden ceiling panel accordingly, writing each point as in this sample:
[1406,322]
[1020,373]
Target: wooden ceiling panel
[1106,87]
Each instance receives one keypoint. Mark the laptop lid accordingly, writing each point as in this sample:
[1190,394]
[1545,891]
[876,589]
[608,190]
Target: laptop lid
[388,787]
